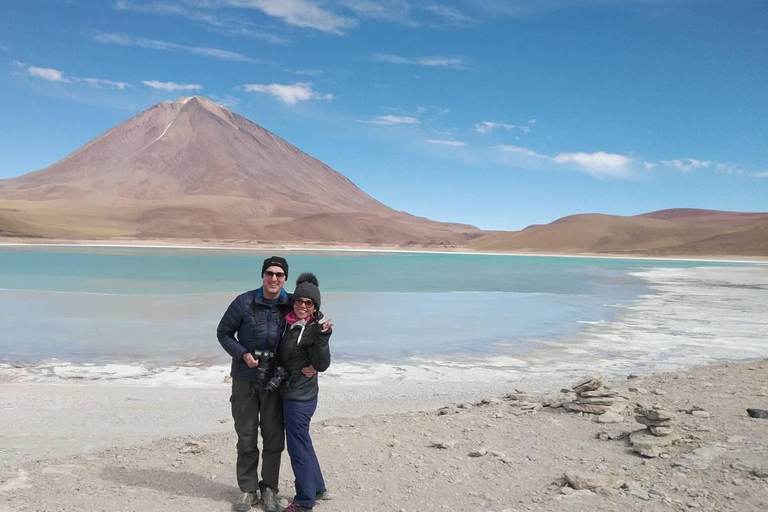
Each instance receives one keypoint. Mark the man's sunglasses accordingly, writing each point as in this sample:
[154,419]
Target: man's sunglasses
[270,274]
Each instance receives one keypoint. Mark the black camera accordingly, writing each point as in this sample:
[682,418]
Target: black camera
[265,358]
[277,379]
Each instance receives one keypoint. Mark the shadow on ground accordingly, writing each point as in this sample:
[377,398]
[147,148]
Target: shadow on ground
[173,482]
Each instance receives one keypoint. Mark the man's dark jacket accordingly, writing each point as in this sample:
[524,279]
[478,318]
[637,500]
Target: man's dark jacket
[251,323]
[295,354]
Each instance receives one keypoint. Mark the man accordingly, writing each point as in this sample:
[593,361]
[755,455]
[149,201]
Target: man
[254,323]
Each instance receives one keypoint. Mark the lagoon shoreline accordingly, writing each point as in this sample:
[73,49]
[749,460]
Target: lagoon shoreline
[224,245]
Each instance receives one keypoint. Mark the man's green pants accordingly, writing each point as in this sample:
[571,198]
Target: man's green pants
[255,409]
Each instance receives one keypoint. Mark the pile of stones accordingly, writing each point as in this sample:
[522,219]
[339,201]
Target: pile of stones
[659,435]
[593,397]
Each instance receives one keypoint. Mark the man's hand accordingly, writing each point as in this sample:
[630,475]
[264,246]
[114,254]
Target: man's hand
[327,324]
[251,361]
[309,371]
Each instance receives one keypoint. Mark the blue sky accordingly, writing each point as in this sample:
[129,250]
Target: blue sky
[498,113]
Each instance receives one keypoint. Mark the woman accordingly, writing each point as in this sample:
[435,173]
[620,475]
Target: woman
[302,353]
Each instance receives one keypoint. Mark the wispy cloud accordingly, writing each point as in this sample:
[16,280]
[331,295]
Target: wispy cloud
[489,126]
[455,143]
[4,48]
[171,86]
[289,93]
[55,75]
[762,174]
[599,164]
[442,62]
[226,100]
[50,74]
[225,24]
[450,14]
[522,151]
[103,83]
[299,13]
[391,119]
[687,164]
[154,44]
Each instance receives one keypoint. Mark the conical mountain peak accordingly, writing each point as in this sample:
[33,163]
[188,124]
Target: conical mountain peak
[190,166]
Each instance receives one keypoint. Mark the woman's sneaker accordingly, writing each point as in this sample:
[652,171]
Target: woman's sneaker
[295,507]
[323,495]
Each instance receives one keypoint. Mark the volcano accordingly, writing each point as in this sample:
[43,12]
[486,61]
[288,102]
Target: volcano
[193,169]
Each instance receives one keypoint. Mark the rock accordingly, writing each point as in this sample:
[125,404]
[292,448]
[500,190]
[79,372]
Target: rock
[586,379]
[478,452]
[655,414]
[633,376]
[443,445]
[659,392]
[649,445]
[634,489]
[758,413]
[580,481]
[610,417]
[591,409]
[594,401]
[700,414]
[599,393]
[191,447]
[661,431]
[639,391]
[653,423]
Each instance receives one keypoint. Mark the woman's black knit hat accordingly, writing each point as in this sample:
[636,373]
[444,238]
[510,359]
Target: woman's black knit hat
[307,286]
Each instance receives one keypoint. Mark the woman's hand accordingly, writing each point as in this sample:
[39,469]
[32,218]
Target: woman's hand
[327,324]
[309,371]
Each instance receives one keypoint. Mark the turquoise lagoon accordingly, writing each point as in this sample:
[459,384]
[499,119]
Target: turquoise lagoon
[160,307]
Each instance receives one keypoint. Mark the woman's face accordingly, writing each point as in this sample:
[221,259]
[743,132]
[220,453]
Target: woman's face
[303,307]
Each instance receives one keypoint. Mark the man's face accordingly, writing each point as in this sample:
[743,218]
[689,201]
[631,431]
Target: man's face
[274,280]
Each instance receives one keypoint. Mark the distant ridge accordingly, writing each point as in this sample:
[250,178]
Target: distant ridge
[673,232]
[192,169]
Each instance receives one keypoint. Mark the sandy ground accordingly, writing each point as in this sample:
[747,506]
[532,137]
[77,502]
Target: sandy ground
[109,447]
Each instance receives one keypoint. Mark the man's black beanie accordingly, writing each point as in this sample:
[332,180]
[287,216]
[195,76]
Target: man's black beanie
[275,261]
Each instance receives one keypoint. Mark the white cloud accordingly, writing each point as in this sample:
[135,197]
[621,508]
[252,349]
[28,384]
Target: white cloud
[443,62]
[289,93]
[531,121]
[523,151]
[171,86]
[597,164]
[762,174]
[226,100]
[649,165]
[687,164]
[390,119]
[299,13]
[447,142]
[489,126]
[154,44]
[449,14]
[103,83]
[4,48]
[50,74]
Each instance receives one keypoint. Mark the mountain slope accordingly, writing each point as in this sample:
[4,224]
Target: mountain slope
[192,168]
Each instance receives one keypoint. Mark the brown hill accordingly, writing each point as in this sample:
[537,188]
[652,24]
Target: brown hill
[667,232]
[193,169]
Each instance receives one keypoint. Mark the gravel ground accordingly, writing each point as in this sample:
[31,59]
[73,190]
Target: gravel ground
[497,455]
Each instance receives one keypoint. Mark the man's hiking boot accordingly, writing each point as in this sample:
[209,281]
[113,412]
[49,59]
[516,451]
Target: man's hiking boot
[323,495]
[295,507]
[244,502]
[269,500]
